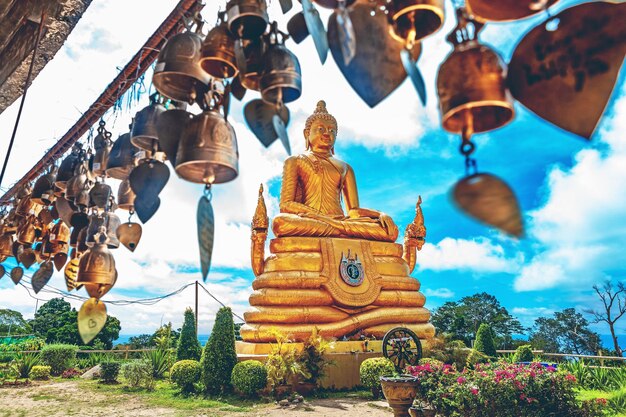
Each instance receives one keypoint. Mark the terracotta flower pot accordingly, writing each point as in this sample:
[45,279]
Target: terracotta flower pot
[305,388]
[282,391]
[400,392]
[421,412]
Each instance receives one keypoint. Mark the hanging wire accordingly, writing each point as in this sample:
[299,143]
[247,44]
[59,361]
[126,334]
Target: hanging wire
[222,304]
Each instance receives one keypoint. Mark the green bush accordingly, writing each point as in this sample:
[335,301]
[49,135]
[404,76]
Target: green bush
[160,359]
[523,353]
[138,373]
[23,363]
[372,369]
[59,357]
[40,372]
[219,356]
[249,377]
[484,340]
[188,345]
[109,371]
[185,374]
[474,358]
[431,361]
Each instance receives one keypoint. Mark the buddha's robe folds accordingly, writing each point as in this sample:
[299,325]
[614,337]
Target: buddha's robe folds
[310,202]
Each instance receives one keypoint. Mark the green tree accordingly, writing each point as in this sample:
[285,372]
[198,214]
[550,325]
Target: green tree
[484,340]
[165,334]
[566,332]
[12,321]
[188,345]
[56,321]
[141,341]
[219,356]
[461,319]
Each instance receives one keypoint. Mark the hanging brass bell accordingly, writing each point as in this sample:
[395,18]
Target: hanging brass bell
[218,53]
[100,194]
[81,241]
[26,234]
[253,49]
[281,79]
[125,196]
[122,158]
[83,199]
[471,83]
[60,233]
[110,222]
[247,19]
[170,125]
[207,152]
[68,166]
[96,271]
[102,144]
[43,190]
[178,74]
[506,10]
[6,245]
[81,181]
[144,133]
[25,207]
[413,20]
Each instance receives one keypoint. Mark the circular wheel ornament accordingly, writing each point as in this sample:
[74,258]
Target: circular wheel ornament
[402,347]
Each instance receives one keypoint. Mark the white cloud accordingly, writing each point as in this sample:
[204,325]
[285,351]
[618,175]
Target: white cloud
[439,293]
[478,255]
[580,228]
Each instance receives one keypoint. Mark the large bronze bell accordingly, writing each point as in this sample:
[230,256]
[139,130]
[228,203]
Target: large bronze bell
[122,158]
[102,144]
[43,190]
[218,53]
[412,20]
[178,74]
[281,79]
[96,270]
[207,152]
[170,125]
[144,133]
[247,19]
[472,83]
[68,166]
[125,196]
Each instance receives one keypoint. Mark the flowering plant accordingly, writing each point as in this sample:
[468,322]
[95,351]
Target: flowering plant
[500,389]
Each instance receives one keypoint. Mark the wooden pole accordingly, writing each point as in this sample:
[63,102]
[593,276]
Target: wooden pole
[196,308]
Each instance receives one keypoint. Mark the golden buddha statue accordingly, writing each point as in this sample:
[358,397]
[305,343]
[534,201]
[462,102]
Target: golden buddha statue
[337,273]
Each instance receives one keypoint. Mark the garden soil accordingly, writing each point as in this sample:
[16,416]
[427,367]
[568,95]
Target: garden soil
[67,398]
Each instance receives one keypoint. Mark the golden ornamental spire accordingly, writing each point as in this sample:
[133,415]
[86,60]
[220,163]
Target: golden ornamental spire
[260,221]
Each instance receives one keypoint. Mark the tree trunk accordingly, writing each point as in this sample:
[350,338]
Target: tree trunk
[618,350]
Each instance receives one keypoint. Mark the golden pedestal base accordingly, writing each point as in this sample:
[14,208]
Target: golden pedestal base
[303,288]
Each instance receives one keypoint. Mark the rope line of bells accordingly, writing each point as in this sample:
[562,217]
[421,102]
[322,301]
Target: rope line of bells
[67,219]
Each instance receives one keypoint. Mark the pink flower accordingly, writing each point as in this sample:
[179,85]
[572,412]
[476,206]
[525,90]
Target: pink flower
[461,380]
[570,377]
[474,391]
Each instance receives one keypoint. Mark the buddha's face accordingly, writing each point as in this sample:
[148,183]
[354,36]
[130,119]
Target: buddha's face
[322,135]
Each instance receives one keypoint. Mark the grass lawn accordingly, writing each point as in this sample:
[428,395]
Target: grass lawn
[585,395]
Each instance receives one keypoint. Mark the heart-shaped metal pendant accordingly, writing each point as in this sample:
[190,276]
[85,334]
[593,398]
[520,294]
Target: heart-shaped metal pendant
[376,70]
[259,116]
[149,178]
[146,207]
[16,274]
[59,260]
[71,273]
[490,200]
[27,257]
[42,276]
[92,317]
[566,75]
[129,235]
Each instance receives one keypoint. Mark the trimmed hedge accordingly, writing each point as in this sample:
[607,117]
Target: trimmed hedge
[484,340]
[185,374]
[248,377]
[138,373]
[523,353]
[40,372]
[109,371]
[59,357]
[372,369]
[188,345]
[219,356]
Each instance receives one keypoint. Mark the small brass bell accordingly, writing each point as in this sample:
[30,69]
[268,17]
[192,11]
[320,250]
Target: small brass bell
[26,234]
[100,194]
[144,133]
[96,271]
[122,158]
[207,152]
[281,79]
[81,181]
[60,233]
[218,53]
[170,125]
[25,207]
[125,196]
[412,20]
[254,49]
[43,190]
[247,19]
[6,245]
[472,83]
[68,166]
[178,74]
[102,144]
[83,199]
[81,241]
[506,10]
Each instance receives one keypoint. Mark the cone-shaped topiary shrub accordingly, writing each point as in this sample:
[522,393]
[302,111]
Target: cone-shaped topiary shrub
[484,340]
[219,356]
[188,345]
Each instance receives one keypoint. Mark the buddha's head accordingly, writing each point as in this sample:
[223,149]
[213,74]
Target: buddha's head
[320,130]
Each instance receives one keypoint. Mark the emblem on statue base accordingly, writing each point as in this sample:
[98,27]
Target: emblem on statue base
[351,270]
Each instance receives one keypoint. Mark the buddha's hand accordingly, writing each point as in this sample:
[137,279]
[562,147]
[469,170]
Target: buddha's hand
[386,222]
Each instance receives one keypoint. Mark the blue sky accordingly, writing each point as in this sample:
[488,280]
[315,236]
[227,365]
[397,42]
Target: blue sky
[573,192]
